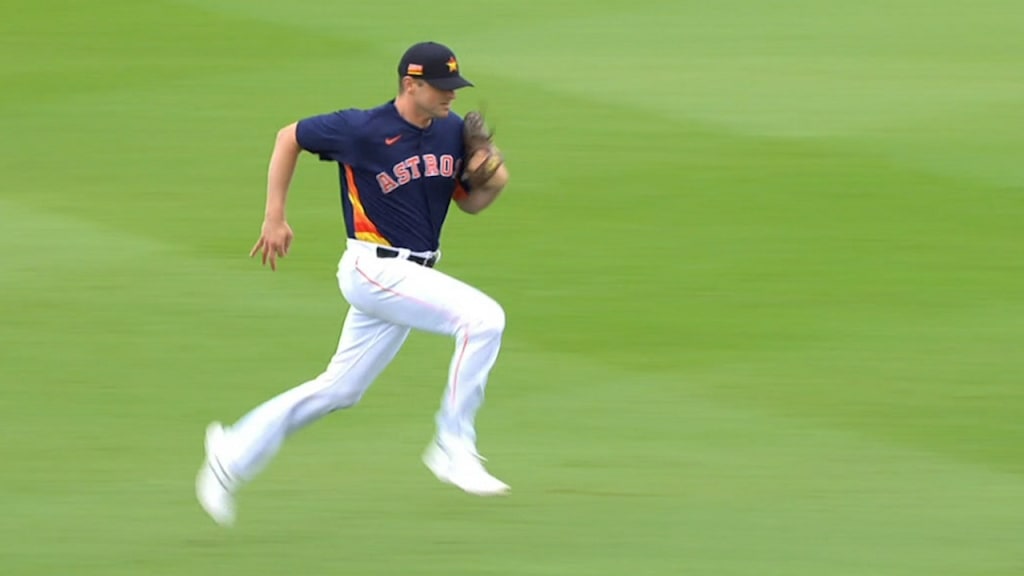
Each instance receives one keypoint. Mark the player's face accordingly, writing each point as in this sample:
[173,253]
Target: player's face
[433,102]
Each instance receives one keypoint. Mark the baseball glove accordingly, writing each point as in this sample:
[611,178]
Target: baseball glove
[483,158]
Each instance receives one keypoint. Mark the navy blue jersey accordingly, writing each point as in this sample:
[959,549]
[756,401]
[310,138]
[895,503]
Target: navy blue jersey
[397,179]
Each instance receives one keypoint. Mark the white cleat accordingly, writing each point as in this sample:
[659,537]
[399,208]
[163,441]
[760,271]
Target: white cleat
[461,466]
[214,486]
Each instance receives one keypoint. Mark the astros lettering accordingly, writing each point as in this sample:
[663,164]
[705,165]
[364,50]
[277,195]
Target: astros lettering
[416,167]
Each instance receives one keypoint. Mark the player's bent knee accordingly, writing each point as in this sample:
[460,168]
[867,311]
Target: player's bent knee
[485,321]
[344,397]
[491,320]
[343,401]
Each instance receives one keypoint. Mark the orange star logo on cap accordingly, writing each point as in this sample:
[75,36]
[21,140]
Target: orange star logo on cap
[453,65]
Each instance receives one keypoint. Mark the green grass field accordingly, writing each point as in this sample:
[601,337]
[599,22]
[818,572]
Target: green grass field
[761,260]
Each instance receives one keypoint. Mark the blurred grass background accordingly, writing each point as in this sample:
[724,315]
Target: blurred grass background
[761,262]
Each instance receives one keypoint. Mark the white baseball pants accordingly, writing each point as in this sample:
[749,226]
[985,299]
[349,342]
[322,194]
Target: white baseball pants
[388,297]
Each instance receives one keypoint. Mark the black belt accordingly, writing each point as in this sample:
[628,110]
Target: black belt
[383,252]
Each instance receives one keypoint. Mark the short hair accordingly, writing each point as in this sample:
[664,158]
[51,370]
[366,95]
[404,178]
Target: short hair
[401,82]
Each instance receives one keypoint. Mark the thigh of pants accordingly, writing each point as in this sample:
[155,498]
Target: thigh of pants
[410,295]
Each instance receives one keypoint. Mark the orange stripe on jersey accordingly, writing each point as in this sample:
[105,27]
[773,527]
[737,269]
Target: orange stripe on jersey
[365,228]
[460,192]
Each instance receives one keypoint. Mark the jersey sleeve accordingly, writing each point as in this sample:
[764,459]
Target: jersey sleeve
[331,136]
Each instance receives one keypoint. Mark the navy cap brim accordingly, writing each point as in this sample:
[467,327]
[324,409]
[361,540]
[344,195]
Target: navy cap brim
[449,82]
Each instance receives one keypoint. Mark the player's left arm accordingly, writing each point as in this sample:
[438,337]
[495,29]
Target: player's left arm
[482,195]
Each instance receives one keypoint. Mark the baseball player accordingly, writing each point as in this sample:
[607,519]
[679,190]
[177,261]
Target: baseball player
[401,165]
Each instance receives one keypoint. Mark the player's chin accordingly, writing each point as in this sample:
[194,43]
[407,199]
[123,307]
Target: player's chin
[443,110]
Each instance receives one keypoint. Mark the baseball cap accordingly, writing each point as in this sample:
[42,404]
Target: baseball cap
[435,63]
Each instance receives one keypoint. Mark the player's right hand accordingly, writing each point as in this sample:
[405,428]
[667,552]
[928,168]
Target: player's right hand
[275,240]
